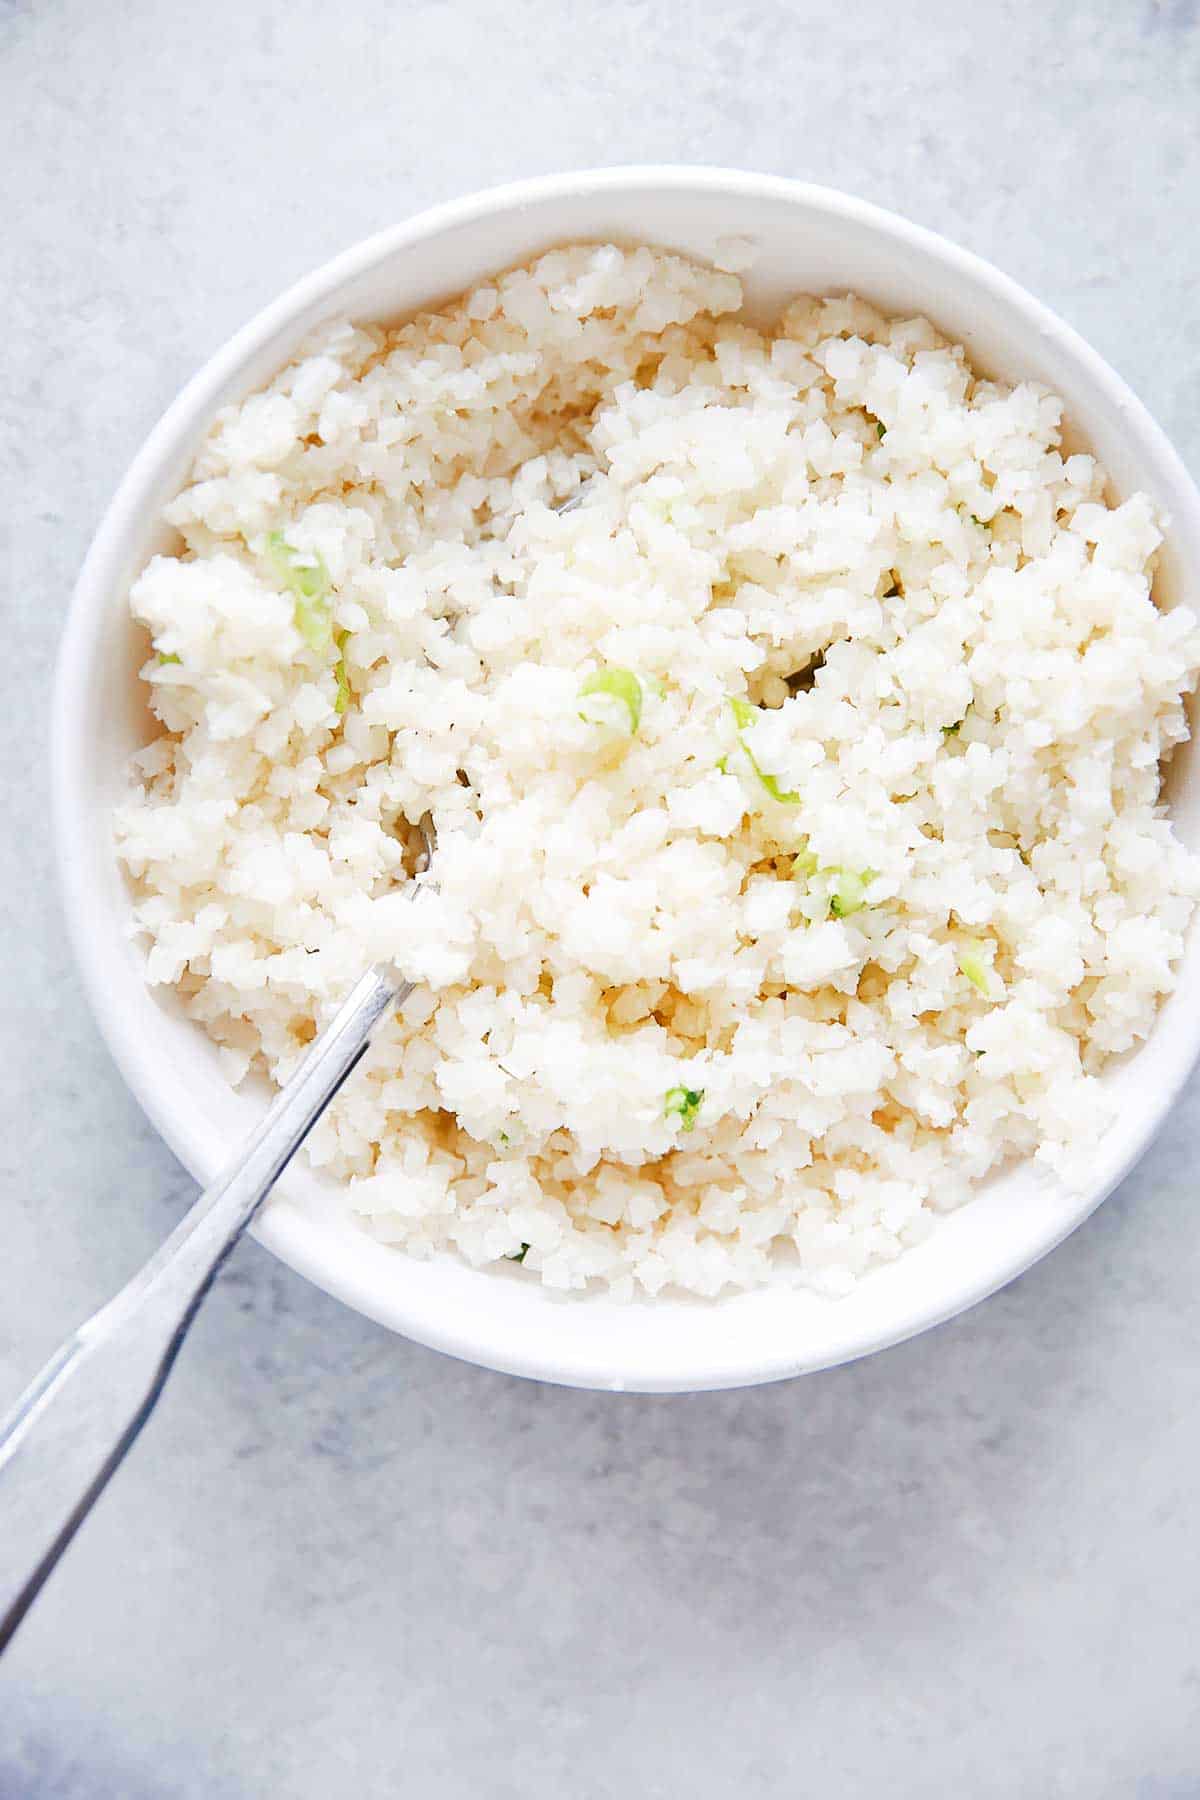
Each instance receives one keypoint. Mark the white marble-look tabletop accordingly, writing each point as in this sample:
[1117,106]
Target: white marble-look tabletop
[343,1568]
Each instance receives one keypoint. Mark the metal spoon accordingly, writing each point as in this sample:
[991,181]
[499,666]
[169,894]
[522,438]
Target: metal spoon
[73,1424]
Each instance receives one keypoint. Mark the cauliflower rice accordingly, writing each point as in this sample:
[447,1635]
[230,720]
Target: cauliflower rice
[789,710]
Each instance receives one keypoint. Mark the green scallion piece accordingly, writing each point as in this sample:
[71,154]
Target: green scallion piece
[745,715]
[849,889]
[306,579]
[617,684]
[804,863]
[972,965]
[684,1104]
[163,660]
[518,1256]
[342,700]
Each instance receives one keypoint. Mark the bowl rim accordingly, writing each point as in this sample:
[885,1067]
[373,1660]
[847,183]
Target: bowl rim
[286,1234]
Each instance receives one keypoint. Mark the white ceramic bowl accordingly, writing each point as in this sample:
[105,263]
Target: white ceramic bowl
[808,239]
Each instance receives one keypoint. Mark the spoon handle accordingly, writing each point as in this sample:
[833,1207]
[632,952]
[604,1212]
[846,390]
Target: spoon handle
[74,1423]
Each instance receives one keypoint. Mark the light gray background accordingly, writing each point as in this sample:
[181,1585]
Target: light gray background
[340,1566]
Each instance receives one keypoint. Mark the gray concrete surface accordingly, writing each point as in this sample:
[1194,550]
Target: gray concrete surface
[341,1566]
